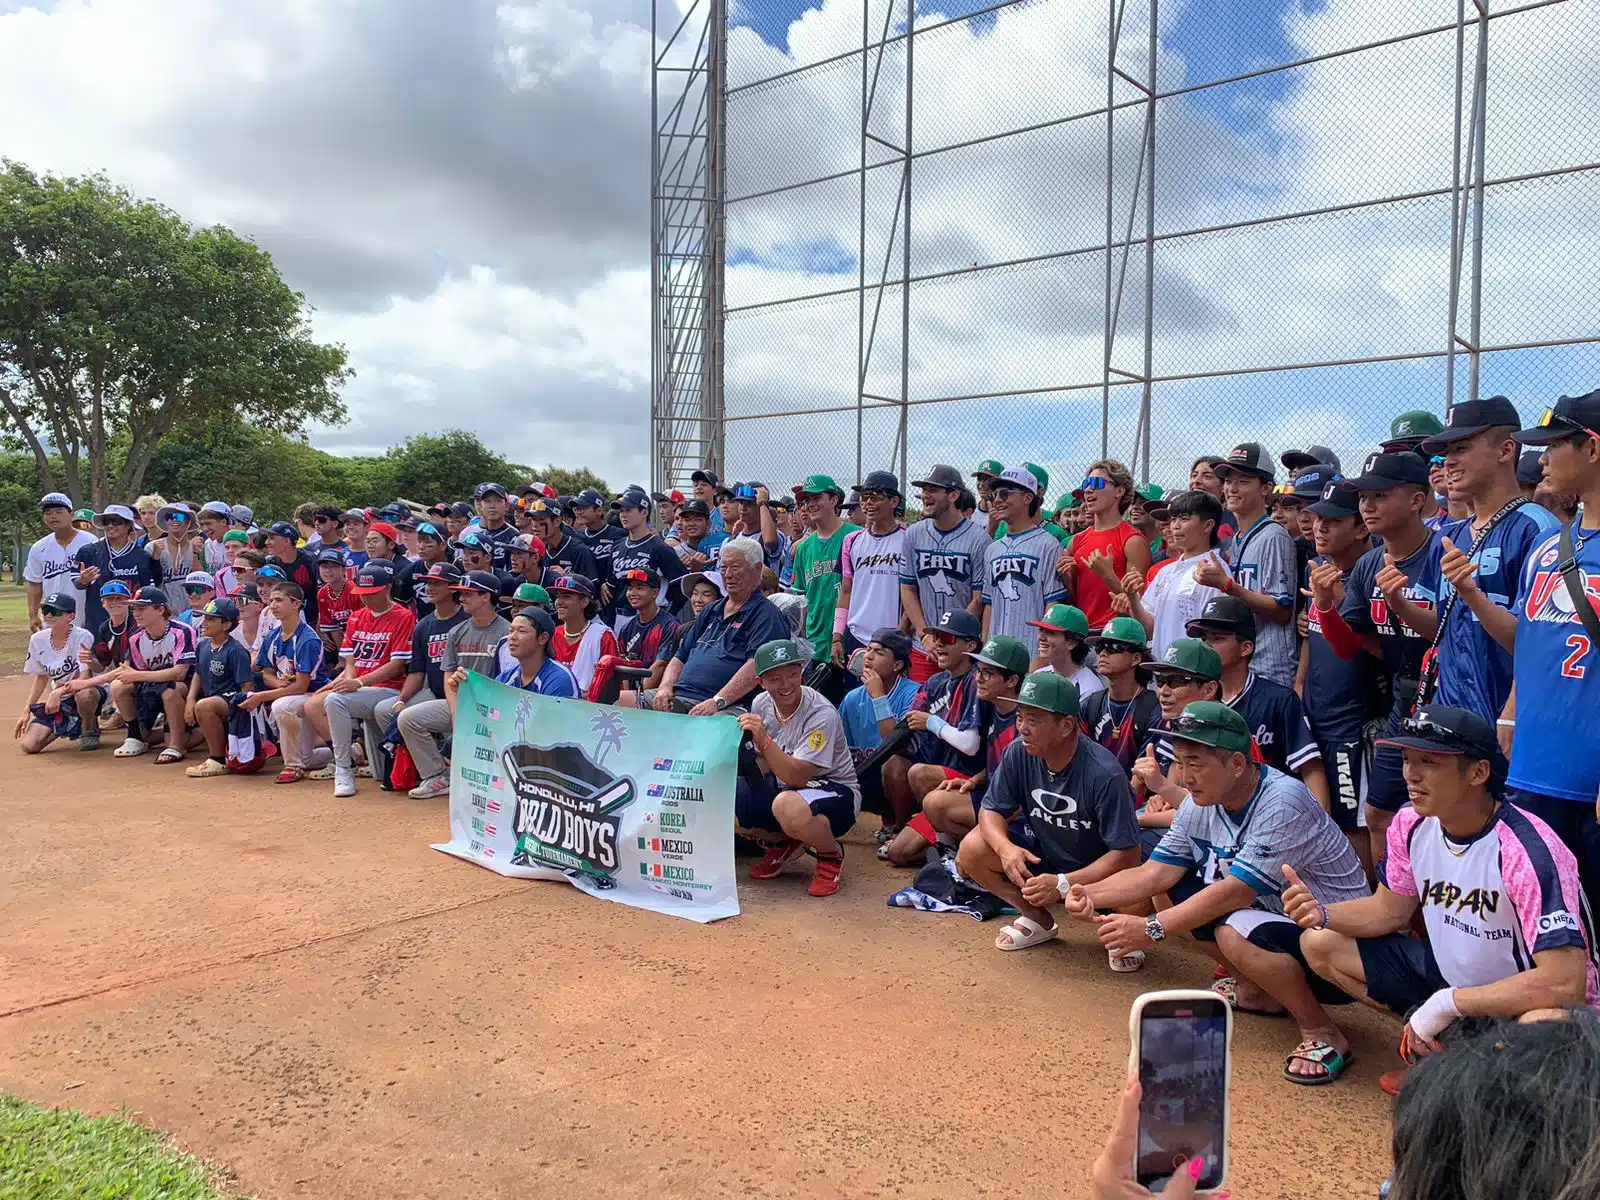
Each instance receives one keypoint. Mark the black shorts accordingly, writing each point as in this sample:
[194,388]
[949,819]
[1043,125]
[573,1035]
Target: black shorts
[1386,790]
[1022,834]
[752,806]
[64,722]
[1401,971]
[1345,763]
[1282,936]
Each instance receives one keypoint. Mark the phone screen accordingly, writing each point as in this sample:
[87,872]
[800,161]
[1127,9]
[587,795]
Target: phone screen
[1183,1081]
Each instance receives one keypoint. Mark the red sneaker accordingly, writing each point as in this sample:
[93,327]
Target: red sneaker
[825,881]
[776,858]
[1392,1081]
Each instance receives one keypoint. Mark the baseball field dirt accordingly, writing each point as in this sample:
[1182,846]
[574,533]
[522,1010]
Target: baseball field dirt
[299,989]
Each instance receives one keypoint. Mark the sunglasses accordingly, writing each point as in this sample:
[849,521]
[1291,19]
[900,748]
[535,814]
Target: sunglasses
[1004,493]
[635,577]
[1436,461]
[1094,483]
[1425,727]
[196,590]
[1119,648]
[1172,681]
[875,495]
[1552,418]
[1188,724]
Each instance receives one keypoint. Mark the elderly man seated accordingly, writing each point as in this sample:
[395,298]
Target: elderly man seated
[714,668]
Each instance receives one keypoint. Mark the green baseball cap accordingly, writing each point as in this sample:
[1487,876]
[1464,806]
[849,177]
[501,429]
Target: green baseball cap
[1418,423]
[1125,630]
[781,652]
[1064,618]
[1051,692]
[83,514]
[1040,474]
[1067,501]
[531,593]
[988,467]
[1211,723]
[1149,492]
[818,485]
[1007,653]
[1189,656]
[236,535]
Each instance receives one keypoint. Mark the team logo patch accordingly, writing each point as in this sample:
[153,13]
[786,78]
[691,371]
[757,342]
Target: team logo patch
[1550,557]
[816,740]
[1029,689]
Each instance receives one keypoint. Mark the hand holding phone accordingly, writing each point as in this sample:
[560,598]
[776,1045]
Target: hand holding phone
[1182,1042]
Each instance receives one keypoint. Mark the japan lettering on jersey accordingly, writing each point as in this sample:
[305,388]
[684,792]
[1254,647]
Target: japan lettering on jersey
[172,649]
[955,701]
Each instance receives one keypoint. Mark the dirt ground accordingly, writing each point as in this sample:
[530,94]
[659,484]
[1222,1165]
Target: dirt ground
[301,990]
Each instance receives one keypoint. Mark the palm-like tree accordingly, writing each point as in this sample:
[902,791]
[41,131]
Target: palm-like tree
[520,717]
[609,726]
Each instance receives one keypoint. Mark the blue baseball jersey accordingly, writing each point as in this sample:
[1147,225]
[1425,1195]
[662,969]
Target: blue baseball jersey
[1557,748]
[956,702]
[302,651]
[1336,689]
[1474,669]
[1367,612]
[1278,724]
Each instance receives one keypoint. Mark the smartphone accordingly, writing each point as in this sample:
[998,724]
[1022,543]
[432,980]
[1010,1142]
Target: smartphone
[1182,1049]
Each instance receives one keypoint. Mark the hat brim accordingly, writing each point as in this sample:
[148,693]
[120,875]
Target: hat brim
[557,589]
[1178,736]
[1046,708]
[1099,640]
[1457,433]
[1157,509]
[944,635]
[934,483]
[1299,458]
[1158,670]
[1220,627]
[367,591]
[1417,743]
[1223,470]
[102,519]
[1381,483]
[1543,435]
[996,663]
[1082,637]
[1332,511]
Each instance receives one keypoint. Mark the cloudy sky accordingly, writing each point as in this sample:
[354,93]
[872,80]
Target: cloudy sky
[461,189]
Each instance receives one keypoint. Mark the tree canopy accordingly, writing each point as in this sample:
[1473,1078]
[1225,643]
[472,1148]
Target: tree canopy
[118,321]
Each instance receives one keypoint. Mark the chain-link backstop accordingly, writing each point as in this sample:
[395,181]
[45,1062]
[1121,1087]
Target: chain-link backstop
[1043,228]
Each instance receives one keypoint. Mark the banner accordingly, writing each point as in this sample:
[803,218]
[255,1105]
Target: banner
[631,806]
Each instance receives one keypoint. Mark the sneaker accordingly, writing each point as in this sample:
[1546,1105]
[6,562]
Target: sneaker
[439,785]
[89,741]
[776,859]
[111,721]
[130,748]
[825,880]
[209,769]
[344,782]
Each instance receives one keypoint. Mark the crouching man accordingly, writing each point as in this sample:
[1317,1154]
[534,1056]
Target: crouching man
[808,791]
[1221,863]
[1507,929]
[1076,821]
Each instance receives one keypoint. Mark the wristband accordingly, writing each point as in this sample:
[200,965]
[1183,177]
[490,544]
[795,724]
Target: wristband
[882,708]
[1506,724]
[841,620]
[1227,587]
[1323,909]
[937,725]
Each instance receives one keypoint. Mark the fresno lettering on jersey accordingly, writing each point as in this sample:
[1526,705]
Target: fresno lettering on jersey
[436,643]
[369,647]
[1387,622]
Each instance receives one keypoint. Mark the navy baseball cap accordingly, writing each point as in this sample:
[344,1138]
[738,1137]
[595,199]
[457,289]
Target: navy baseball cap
[1339,499]
[471,538]
[479,581]
[1440,729]
[694,508]
[1383,471]
[1311,456]
[427,529]
[1472,417]
[1569,417]
[896,641]
[705,475]
[648,576]
[284,530]
[461,509]
[376,576]
[539,618]
[588,498]
[151,594]
[1530,468]
[336,557]
[59,603]
[220,607]
[635,499]
[1313,479]
[444,572]
[1225,614]
[958,624]
[489,489]
[577,584]
[1248,458]
[115,587]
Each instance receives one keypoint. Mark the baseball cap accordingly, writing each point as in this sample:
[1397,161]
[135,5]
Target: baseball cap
[270,570]
[1530,468]
[705,475]
[1040,474]
[817,485]
[577,584]
[588,498]
[217,508]
[1006,653]
[1383,471]
[172,512]
[60,603]
[376,576]
[1313,479]
[648,576]
[1570,415]
[1064,618]
[1121,631]
[439,510]
[479,581]
[527,593]
[1067,500]
[1191,657]
[384,529]
[1225,614]
[958,624]
[490,489]
[542,508]
[353,514]
[672,497]
[86,515]
[526,543]
[443,572]
[714,578]
[782,503]
[1440,729]
[473,539]
[427,529]
[1211,723]
[241,514]
[1339,499]
[1020,477]
[115,587]
[236,536]
[221,607]
[1413,428]
[639,499]
[780,652]
[336,557]
[54,500]
[150,594]
[987,468]
[247,593]
[694,508]
[881,481]
[460,509]
[1051,692]
[1248,458]
[116,512]
[854,502]
[896,641]
[1472,417]
[941,476]
[540,619]
[284,530]
[200,579]
[1311,456]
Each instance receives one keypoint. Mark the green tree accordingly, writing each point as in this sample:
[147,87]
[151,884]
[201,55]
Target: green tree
[242,464]
[118,321]
[447,466]
[565,482]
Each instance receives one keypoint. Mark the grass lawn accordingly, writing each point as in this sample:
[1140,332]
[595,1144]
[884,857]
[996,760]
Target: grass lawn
[57,1154]
[13,627]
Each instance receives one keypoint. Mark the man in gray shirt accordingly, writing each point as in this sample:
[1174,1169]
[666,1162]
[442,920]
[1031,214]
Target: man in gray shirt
[807,791]
[943,563]
[1264,565]
[470,646]
[1224,863]
[1019,579]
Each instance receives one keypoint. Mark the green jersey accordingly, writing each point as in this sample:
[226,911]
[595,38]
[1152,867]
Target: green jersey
[1050,527]
[816,575]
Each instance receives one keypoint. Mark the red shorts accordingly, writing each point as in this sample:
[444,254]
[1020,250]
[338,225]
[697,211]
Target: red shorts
[952,775]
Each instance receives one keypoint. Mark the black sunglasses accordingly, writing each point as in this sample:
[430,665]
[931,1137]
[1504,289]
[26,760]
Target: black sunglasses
[1118,648]
[1422,726]
[196,589]
[1185,723]
[1004,493]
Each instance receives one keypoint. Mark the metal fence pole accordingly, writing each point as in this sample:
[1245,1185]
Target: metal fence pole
[717,132]
[1149,250]
[1455,216]
[1480,113]
[1111,129]
[861,240]
[905,243]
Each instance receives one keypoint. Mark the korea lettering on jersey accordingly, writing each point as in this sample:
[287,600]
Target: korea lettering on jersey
[1005,570]
[1054,808]
[1550,602]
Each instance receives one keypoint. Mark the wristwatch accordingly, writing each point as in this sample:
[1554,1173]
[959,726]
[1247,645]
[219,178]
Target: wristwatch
[1063,885]
[720,702]
[1153,929]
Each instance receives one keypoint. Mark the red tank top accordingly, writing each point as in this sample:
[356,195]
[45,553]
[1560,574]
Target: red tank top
[1093,597]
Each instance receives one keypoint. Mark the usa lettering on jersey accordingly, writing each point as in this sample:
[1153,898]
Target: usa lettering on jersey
[367,646]
[1378,610]
[436,643]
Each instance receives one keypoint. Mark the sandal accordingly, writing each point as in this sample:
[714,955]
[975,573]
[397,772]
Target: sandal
[291,775]
[1321,1054]
[1125,963]
[1228,989]
[1024,933]
[321,772]
[169,756]
[887,834]
[209,769]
